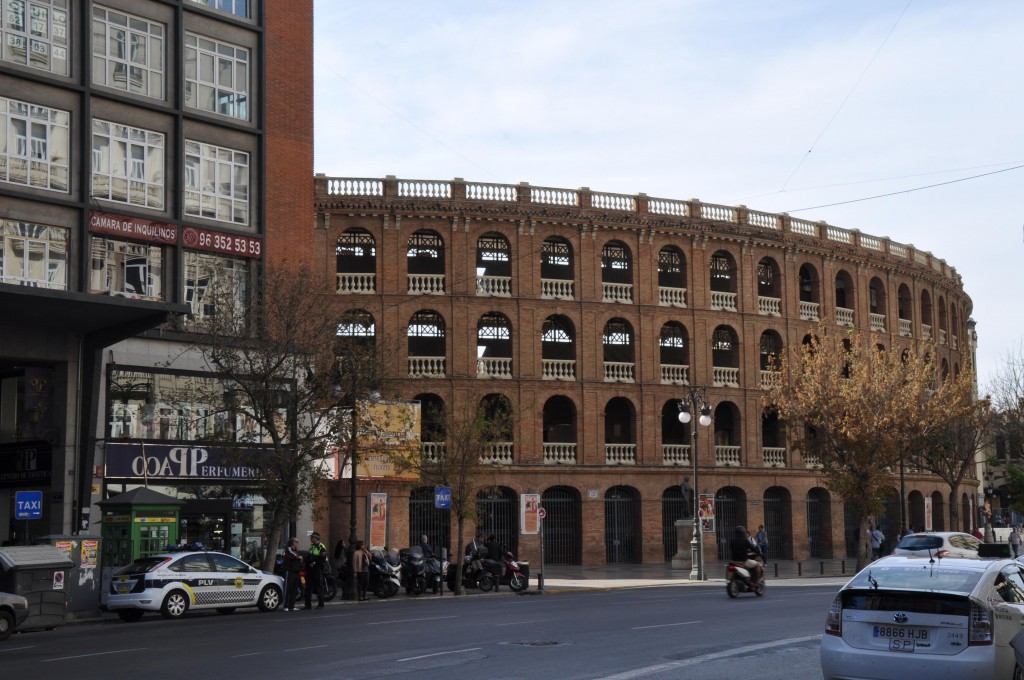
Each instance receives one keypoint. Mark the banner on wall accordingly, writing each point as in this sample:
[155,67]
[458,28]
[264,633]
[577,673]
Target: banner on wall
[378,521]
[927,513]
[529,513]
[707,512]
[389,433]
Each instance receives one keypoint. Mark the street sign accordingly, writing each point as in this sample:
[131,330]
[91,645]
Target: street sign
[542,513]
[28,505]
[442,497]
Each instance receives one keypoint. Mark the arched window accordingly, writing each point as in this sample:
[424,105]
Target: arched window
[425,258]
[620,431]
[844,299]
[671,277]
[725,357]
[619,358]
[770,354]
[356,255]
[494,346]
[426,345]
[556,269]
[877,305]
[926,315]
[675,437]
[943,327]
[723,281]
[727,435]
[558,348]
[769,288]
[559,430]
[493,265]
[905,310]
[673,352]
[496,411]
[773,439]
[432,426]
[616,272]
[357,323]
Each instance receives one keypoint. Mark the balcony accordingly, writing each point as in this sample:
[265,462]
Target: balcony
[426,367]
[556,289]
[500,453]
[906,328]
[773,456]
[926,332]
[844,316]
[494,286]
[725,377]
[675,374]
[769,306]
[812,462]
[727,456]
[432,452]
[620,454]
[558,369]
[675,454]
[723,301]
[942,336]
[619,371]
[559,453]
[426,284]
[360,284]
[672,297]
[877,322]
[770,379]
[617,292]
[494,367]
[809,311]
[953,343]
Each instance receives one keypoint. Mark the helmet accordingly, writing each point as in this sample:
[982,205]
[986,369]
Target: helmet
[740,531]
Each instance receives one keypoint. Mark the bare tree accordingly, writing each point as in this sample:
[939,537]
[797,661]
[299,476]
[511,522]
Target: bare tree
[1007,395]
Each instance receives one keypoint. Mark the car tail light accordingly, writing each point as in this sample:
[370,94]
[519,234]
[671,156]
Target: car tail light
[979,631]
[834,618]
[942,553]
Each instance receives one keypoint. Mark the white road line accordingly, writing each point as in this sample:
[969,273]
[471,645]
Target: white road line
[82,656]
[520,623]
[661,668]
[388,623]
[302,649]
[427,656]
[14,649]
[239,656]
[666,625]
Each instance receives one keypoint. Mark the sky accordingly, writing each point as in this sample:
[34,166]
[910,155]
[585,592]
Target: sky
[782,106]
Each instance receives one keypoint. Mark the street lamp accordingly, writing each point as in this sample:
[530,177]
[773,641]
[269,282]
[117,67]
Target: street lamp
[698,400]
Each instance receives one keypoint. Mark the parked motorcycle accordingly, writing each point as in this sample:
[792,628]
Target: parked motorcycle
[414,578]
[472,571]
[738,579]
[435,572]
[385,574]
[505,572]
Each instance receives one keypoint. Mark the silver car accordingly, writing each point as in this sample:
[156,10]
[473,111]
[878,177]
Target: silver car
[938,544]
[13,611]
[905,618]
[173,583]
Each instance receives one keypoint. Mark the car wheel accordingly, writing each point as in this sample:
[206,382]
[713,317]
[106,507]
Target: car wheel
[270,599]
[175,605]
[130,615]
[731,589]
[6,625]
[517,582]
[225,610]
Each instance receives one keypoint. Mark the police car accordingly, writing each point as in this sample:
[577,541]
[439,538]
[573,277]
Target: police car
[173,583]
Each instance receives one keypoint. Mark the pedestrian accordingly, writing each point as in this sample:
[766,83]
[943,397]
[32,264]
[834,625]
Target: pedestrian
[877,539]
[292,567]
[493,549]
[1014,541]
[428,550]
[761,540]
[476,544]
[361,563]
[340,548]
[316,571]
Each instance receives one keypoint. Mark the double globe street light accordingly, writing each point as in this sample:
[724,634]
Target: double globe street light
[697,402]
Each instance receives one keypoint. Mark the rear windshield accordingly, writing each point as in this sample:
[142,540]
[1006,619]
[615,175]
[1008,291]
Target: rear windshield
[921,543]
[923,576]
[143,565]
[923,603]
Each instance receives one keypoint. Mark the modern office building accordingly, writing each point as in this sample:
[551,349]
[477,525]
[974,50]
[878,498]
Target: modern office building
[591,315]
[148,148]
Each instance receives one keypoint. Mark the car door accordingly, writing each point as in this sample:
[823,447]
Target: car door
[237,582]
[198,579]
[1008,615]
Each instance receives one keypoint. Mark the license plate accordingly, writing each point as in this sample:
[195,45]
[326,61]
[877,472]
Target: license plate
[901,638]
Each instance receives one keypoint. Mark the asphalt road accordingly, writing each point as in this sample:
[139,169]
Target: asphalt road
[667,632]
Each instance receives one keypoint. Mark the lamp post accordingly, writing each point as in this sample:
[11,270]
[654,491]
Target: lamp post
[697,395]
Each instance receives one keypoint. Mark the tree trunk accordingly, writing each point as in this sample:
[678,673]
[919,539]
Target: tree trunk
[864,542]
[954,508]
[457,555]
[273,540]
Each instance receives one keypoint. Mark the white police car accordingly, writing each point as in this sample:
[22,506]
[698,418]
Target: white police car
[173,583]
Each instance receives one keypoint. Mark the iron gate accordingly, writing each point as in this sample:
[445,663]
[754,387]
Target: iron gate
[775,507]
[726,519]
[563,526]
[622,526]
[814,525]
[672,508]
[424,518]
[496,514]
[850,530]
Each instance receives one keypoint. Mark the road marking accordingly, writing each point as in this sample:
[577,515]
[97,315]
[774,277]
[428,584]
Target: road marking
[387,623]
[14,649]
[302,649]
[82,656]
[520,623]
[239,656]
[427,656]
[665,625]
[661,668]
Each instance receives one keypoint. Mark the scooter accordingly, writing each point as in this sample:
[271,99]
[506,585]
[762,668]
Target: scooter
[738,579]
[413,570]
[435,573]
[472,573]
[385,574]
[507,572]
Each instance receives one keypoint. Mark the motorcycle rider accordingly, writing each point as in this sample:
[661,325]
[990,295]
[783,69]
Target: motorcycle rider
[316,570]
[742,551]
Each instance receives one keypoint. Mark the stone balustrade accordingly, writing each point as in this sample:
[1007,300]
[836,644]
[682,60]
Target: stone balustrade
[725,377]
[877,322]
[495,286]
[770,379]
[556,289]
[906,328]
[357,283]
[675,374]
[494,367]
[500,453]
[426,367]
[726,456]
[769,306]
[676,454]
[426,284]
[620,454]
[432,452]
[812,462]
[844,316]
[773,456]
[942,336]
[926,332]
[672,297]
[809,311]
[559,453]
[723,301]
[558,369]
[617,292]
[619,371]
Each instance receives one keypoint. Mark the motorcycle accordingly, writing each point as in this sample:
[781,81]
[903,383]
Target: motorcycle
[414,577]
[385,574]
[506,572]
[472,573]
[435,572]
[738,579]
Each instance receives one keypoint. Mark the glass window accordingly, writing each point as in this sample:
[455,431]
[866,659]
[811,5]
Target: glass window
[33,255]
[237,7]
[191,563]
[35,33]
[225,563]
[913,577]
[215,280]
[34,145]
[216,76]
[127,164]
[127,52]
[125,269]
[216,182]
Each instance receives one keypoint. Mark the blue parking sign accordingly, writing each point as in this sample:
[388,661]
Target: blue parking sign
[442,497]
[28,505]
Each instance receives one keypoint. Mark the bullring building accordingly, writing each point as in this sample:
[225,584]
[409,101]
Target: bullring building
[148,150]
[590,315]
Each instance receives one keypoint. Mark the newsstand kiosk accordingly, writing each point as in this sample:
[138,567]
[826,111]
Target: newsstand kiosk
[136,524]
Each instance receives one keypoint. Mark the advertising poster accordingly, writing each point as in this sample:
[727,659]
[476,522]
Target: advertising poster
[389,433]
[927,513]
[90,552]
[707,513]
[64,547]
[378,520]
[529,519]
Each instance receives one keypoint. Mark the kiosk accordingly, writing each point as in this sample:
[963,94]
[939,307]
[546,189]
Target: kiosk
[136,524]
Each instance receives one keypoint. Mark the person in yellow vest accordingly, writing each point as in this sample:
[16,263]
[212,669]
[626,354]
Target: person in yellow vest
[316,567]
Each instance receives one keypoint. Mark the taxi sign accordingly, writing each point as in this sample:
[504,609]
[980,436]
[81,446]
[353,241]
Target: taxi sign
[28,505]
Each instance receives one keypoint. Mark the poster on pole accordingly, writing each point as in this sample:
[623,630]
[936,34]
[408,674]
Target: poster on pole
[378,521]
[529,517]
[706,512]
[927,513]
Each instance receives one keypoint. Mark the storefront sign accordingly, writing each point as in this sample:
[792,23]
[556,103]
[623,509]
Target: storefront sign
[132,227]
[217,242]
[25,464]
[169,461]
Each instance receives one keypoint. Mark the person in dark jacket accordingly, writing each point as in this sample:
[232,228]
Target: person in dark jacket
[292,566]
[493,549]
[316,571]
[742,551]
